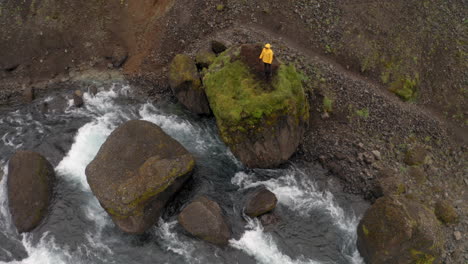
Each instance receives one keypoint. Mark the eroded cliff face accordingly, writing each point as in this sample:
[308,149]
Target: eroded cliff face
[42,39]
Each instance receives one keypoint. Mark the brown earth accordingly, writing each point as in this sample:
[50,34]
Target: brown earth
[352,51]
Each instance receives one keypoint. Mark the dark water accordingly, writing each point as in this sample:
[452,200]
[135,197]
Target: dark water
[318,223]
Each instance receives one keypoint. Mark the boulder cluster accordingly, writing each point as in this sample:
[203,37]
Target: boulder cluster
[261,120]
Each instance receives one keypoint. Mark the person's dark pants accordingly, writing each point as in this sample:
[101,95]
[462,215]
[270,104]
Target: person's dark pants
[267,67]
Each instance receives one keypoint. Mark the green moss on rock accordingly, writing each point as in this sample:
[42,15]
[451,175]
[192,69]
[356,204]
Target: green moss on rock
[399,230]
[416,156]
[240,100]
[183,70]
[445,212]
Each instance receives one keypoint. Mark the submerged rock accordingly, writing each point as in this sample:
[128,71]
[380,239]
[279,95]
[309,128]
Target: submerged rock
[136,172]
[262,201]
[203,218]
[186,84]
[399,230]
[261,122]
[30,185]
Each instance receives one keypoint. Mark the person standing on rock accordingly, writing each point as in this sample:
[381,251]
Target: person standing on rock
[267,57]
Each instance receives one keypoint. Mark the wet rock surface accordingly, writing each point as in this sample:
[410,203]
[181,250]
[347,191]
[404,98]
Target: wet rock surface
[204,219]
[136,172]
[260,202]
[30,188]
[186,84]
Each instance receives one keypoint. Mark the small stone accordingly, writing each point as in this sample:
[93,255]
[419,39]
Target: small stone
[92,89]
[377,154]
[457,235]
[360,145]
[325,115]
[368,158]
[78,98]
[28,93]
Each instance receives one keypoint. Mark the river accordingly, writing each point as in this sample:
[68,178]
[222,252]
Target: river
[317,222]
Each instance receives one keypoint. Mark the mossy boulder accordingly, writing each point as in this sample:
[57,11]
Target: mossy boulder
[388,183]
[445,212]
[260,202]
[30,185]
[262,122]
[399,230]
[203,218]
[417,155]
[136,172]
[186,84]
[204,59]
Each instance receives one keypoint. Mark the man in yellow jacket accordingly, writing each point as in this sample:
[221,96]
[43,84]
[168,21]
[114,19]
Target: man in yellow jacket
[267,58]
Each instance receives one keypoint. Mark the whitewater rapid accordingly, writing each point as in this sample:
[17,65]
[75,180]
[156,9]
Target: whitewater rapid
[101,242]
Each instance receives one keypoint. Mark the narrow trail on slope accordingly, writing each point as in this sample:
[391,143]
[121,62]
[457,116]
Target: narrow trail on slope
[378,89]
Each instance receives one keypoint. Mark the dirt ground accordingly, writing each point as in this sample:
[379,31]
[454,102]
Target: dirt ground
[353,53]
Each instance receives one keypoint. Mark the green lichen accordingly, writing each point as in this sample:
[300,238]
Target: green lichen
[365,230]
[327,104]
[363,113]
[134,205]
[420,257]
[405,88]
[239,99]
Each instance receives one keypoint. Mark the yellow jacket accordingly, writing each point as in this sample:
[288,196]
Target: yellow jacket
[267,55]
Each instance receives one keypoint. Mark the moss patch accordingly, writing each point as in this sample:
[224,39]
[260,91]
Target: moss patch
[240,101]
[405,88]
[421,258]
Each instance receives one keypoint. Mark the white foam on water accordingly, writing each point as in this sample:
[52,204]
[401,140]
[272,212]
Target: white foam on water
[45,252]
[173,243]
[195,138]
[96,213]
[171,124]
[5,218]
[88,140]
[301,195]
[263,247]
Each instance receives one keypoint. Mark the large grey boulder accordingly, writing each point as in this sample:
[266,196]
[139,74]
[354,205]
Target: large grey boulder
[30,186]
[186,84]
[136,172]
[203,218]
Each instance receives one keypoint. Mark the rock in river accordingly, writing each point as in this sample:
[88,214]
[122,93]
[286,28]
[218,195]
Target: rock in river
[203,218]
[186,84]
[262,201]
[136,172]
[30,185]
[261,121]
